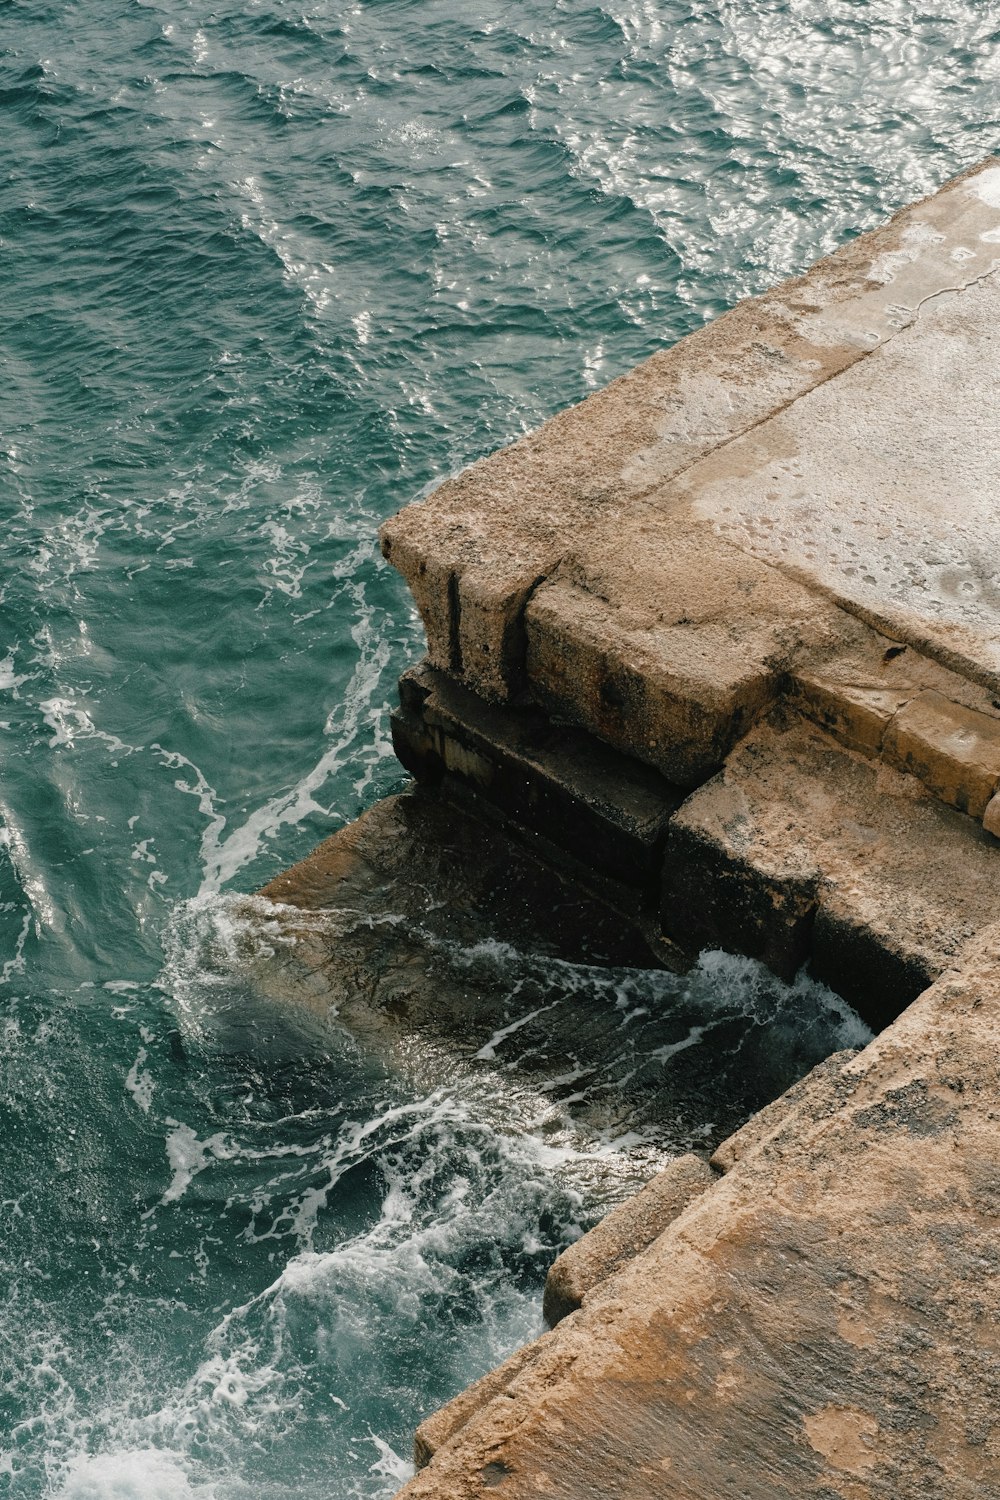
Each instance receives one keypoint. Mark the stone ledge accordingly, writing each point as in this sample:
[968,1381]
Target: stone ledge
[669,648]
[476,550]
[789,517]
[820,1321]
[800,849]
[621,1234]
[607,811]
[953,750]
[915,716]
[442,1425]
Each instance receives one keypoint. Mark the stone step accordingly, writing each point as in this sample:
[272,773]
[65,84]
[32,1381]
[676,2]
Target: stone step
[801,850]
[606,810]
[622,1233]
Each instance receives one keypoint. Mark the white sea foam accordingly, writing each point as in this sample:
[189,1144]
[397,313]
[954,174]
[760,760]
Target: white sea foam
[140,1083]
[142,1474]
[69,720]
[188,1156]
[466,1182]
[9,679]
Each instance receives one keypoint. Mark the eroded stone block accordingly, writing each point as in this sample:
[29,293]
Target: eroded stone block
[721,890]
[800,847]
[621,1234]
[952,749]
[443,1424]
[991,817]
[857,715]
[608,811]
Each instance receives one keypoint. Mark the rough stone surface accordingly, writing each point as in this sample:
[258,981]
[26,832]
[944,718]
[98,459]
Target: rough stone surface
[856,692]
[991,817]
[799,848]
[621,1234]
[608,811]
[879,488]
[823,1321]
[953,750]
[667,644]
[810,1097]
[780,506]
[890,335]
[444,1423]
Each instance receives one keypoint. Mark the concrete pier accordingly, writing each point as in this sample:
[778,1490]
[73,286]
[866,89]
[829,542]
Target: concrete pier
[763,568]
[720,649]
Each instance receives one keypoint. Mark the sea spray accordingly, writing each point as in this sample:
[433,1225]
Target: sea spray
[269,273]
[320,1247]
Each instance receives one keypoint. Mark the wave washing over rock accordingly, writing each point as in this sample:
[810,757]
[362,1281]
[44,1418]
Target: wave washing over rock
[266,1251]
[268,274]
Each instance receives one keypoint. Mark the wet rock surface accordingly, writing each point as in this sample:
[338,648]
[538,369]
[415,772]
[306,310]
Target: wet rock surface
[821,1321]
[445,945]
[722,647]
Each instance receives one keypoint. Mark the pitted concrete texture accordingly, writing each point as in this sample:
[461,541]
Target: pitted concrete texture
[880,488]
[823,1321]
[800,850]
[839,429]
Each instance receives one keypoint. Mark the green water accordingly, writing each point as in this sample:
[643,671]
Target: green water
[267,272]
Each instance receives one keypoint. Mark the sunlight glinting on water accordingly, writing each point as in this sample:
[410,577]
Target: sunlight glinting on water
[270,271]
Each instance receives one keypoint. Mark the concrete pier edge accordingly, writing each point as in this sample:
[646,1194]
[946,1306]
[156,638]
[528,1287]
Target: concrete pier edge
[720,648]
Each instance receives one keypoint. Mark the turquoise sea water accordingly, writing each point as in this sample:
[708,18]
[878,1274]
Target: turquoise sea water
[267,272]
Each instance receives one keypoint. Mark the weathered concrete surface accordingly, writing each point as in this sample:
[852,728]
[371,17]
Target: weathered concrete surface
[774,507]
[825,1320]
[762,571]
[879,489]
[839,429]
[668,644]
[621,1234]
[800,850]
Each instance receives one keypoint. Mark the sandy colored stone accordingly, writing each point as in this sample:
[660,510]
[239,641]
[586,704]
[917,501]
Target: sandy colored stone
[991,817]
[857,714]
[666,643]
[799,848]
[790,516]
[844,1436]
[476,549]
[855,692]
[822,1321]
[953,750]
[806,1099]
[621,1234]
[444,1423]
[877,488]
